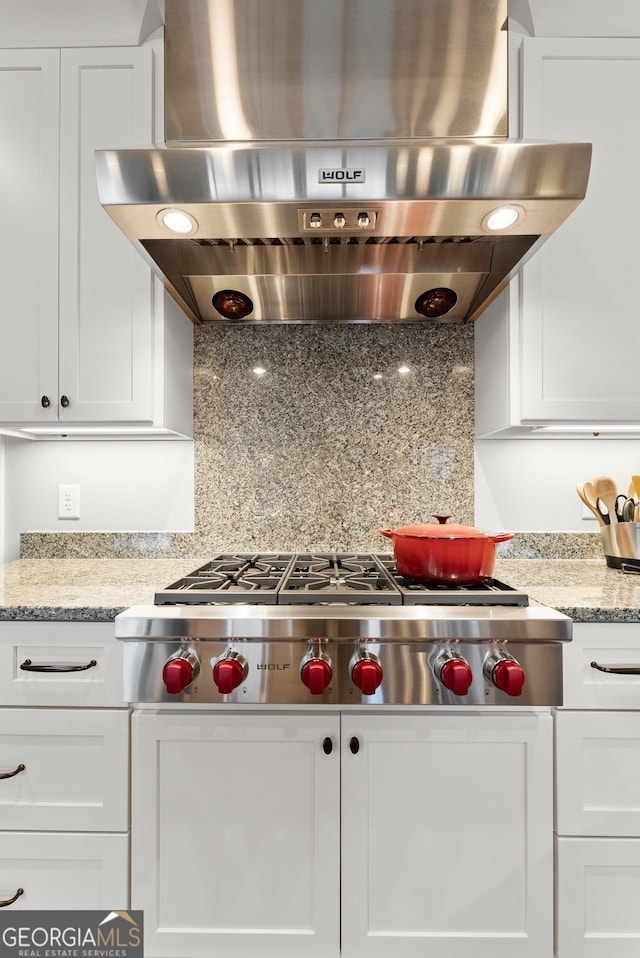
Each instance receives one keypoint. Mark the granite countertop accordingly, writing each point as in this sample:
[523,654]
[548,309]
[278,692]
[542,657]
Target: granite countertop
[83,590]
[78,589]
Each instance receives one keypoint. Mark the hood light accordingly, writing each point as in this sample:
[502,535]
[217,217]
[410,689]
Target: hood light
[436,302]
[177,221]
[502,218]
[232,304]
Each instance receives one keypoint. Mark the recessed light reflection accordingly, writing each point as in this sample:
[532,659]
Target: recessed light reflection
[377,375]
[404,370]
[258,370]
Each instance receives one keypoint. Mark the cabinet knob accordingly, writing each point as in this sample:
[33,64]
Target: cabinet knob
[327,746]
[354,744]
[64,401]
[45,402]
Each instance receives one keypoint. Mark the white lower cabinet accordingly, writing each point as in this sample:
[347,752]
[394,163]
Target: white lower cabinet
[598,795]
[260,834]
[64,768]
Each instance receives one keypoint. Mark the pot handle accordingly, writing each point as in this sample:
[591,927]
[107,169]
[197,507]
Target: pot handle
[503,536]
[387,532]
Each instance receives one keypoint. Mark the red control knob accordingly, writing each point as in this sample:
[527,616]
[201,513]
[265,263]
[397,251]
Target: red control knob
[457,676]
[316,674]
[508,676]
[228,675]
[367,675]
[177,674]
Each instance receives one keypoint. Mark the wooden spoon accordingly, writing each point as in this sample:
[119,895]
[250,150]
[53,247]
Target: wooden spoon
[592,501]
[635,482]
[588,503]
[607,490]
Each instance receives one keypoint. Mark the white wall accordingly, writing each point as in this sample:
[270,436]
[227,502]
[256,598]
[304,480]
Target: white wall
[529,485]
[126,486]
[2,501]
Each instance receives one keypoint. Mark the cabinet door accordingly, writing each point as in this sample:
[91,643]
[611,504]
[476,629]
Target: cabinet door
[598,889]
[579,291]
[447,825]
[235,833]
[64,871]
[64,769]
[598,773]
[106,308]
[29,111]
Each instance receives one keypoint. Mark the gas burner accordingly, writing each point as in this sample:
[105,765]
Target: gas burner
[344,579]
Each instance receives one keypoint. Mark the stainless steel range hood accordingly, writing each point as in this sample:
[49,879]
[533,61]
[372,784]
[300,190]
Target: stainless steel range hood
[338,160]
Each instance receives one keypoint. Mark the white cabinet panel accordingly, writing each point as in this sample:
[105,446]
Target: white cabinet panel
[85,337]
[64,871]
[235,831]
[598,773]
[105,324]
[598,891]
[75,769]
[29,164]
[447,836]
[539,349]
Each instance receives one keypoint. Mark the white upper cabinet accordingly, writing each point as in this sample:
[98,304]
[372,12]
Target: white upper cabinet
[86,338]
[559,346]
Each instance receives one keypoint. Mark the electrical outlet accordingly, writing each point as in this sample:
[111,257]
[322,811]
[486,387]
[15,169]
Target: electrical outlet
[68,502]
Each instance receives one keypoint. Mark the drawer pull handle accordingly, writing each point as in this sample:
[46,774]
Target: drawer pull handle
[16,771]
[10,901]
[28,666]
[617,669]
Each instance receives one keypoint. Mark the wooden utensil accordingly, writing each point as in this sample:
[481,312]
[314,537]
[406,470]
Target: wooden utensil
[607,490]
[635,482]
[592,501]
[588,503]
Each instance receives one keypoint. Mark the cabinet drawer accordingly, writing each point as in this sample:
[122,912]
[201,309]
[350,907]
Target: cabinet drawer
[66,769]
[62,645]
[598,889]
[598,773]
[64,871]
[614,646]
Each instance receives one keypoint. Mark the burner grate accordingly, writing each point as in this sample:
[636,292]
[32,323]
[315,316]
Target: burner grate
[270,578]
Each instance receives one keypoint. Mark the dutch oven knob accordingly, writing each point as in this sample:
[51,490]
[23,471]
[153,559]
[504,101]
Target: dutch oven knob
[441,518]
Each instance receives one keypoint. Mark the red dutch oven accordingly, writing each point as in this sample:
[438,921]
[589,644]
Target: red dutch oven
[444,552]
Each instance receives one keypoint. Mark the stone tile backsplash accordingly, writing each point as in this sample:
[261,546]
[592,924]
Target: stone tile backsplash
[346,430]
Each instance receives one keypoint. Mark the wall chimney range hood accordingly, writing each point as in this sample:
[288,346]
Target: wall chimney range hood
[338,160]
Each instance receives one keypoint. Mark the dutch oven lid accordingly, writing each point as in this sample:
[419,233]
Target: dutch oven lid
[442,529]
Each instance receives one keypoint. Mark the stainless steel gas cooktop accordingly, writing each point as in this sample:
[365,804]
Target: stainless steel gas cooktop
[338,628]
